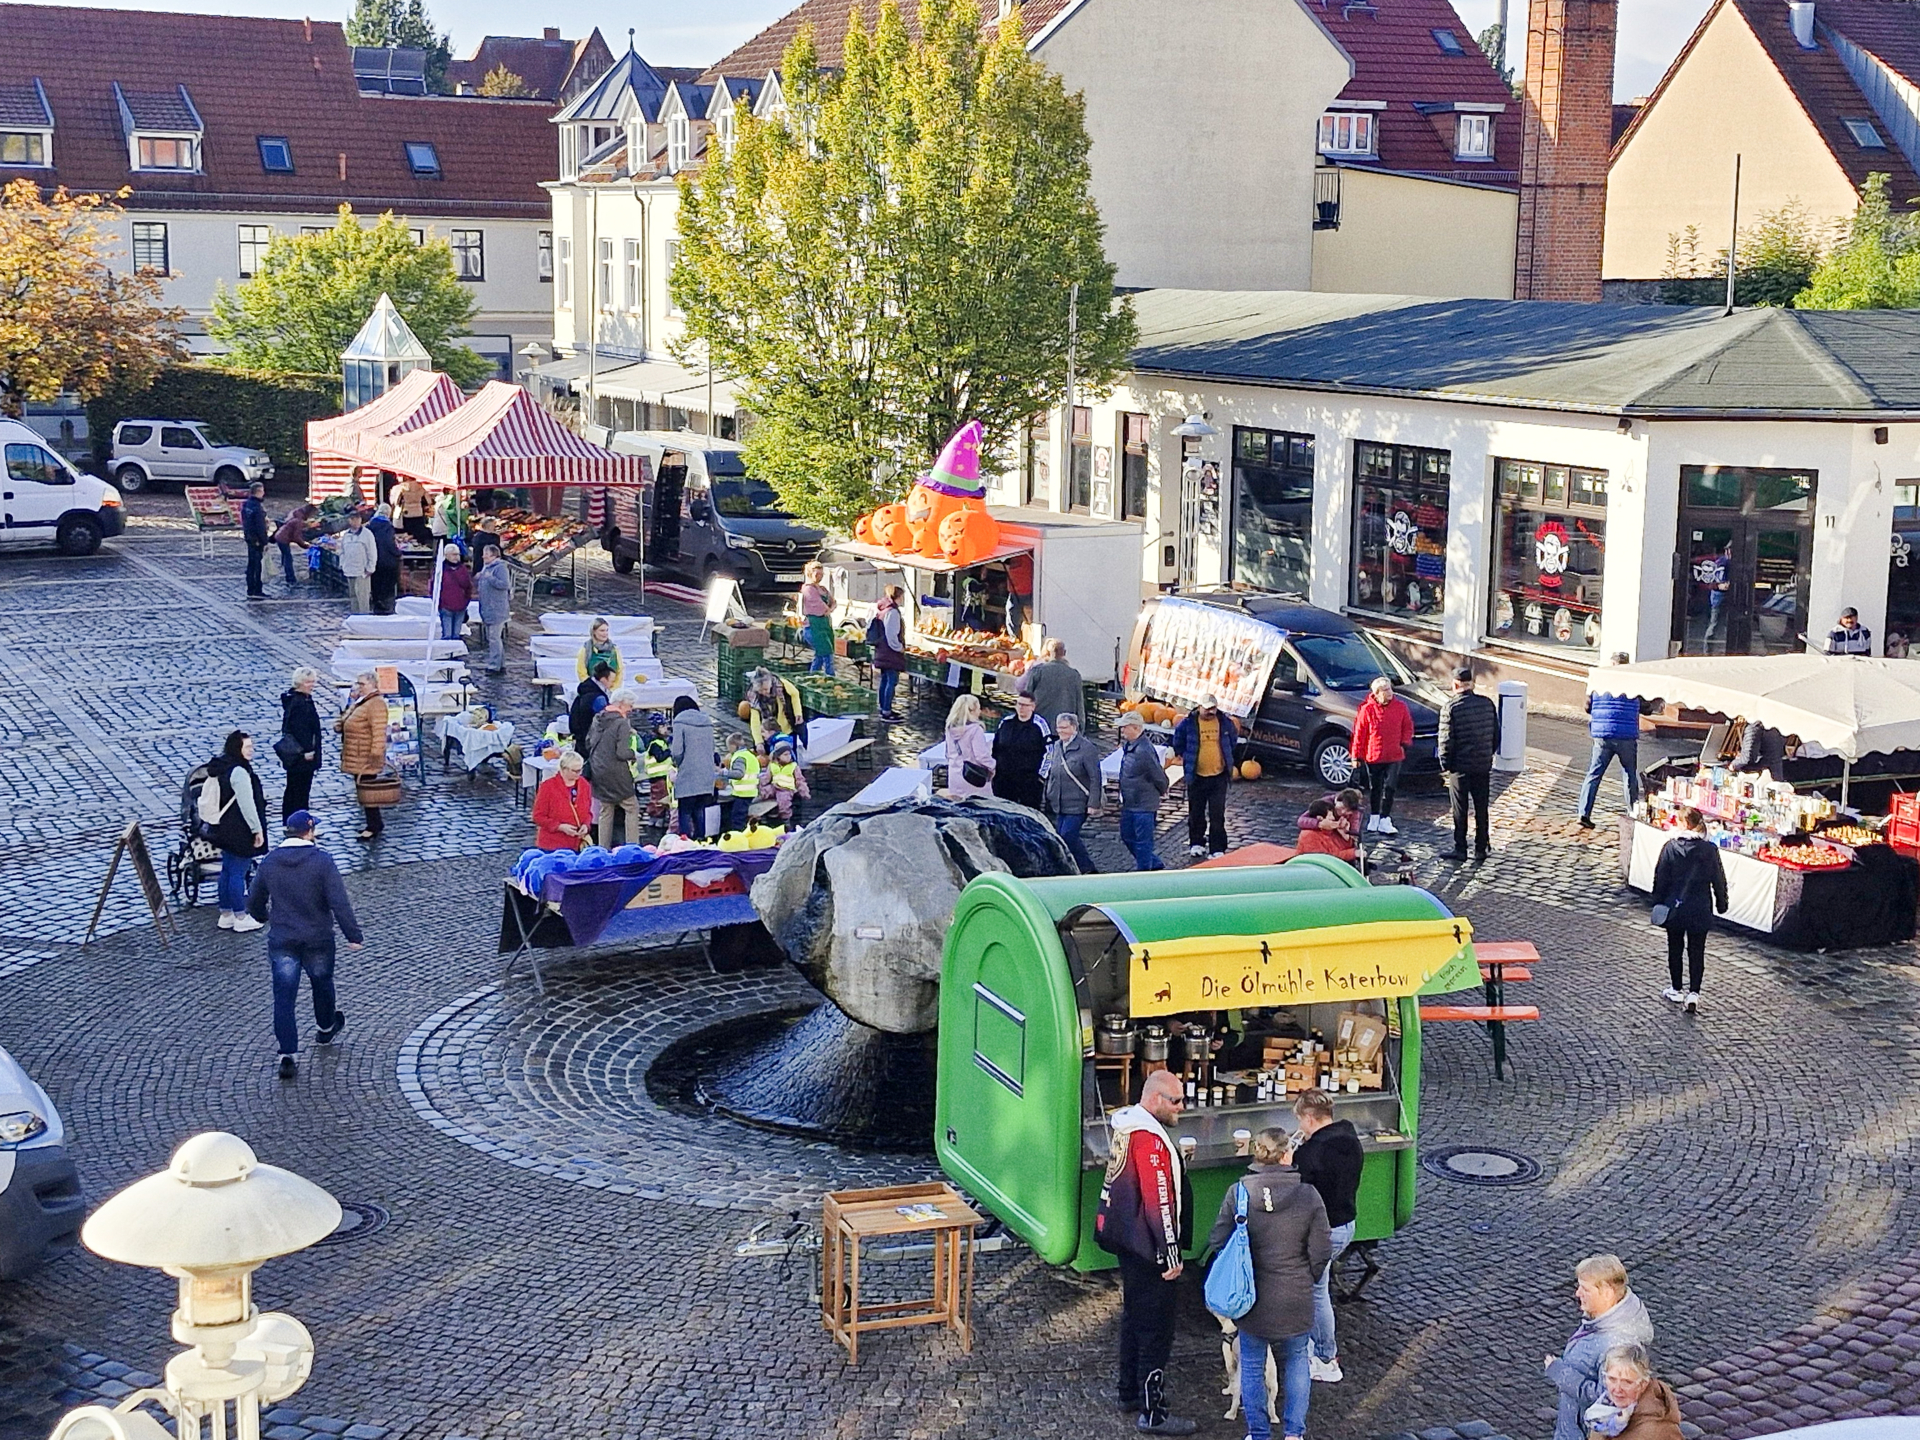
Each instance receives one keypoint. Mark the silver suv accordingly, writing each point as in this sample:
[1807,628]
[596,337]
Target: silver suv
[41,1203]
[182,452]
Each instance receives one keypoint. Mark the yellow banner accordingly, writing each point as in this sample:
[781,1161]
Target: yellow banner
[1374,961]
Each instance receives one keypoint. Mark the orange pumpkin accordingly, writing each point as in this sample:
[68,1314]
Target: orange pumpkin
[1249,769]
[863,529]
[888,520]
[926,509]
[968,534]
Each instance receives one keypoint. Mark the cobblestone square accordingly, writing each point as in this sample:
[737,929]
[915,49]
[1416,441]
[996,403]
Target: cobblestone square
[558,1250]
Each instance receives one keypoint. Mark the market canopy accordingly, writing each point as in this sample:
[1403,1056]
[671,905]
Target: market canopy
[339,443]
[504,437]
[1852,705]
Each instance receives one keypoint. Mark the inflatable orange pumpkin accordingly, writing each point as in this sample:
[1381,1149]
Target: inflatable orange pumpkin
[863,529]
[969,534]
[887,520]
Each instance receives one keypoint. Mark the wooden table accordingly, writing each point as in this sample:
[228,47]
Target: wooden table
[850,1217]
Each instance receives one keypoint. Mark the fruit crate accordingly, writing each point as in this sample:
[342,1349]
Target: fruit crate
[829,695]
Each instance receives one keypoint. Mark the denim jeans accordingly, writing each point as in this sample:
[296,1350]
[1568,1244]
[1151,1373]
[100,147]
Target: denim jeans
[453,624]
[1604,751]
[1325,1344]
[889,682]
[286,562]
[1136,833]
[497,646]
[1069,828]
[288,961]
[233,881]
[693,814]
[1296,1384]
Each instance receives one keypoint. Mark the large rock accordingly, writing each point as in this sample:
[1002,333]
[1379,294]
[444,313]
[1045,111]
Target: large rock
[861,899]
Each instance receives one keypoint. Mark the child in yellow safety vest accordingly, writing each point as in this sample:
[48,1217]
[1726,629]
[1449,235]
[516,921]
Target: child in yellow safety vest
[785,783]
[741,776]
[657,769]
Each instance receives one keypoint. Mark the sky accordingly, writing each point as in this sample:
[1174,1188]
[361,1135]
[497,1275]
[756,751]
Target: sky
[698,32]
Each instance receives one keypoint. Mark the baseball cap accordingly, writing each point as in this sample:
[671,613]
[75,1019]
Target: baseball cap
[1464,672]
[300,822]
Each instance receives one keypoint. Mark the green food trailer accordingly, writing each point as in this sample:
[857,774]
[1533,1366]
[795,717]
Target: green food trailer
[1058,996]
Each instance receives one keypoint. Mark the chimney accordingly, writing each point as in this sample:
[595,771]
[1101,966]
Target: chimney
[552,32]
[1800,16]
[1568,120]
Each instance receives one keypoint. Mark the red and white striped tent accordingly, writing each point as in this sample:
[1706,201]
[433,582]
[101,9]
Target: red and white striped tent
[504,437]
[340,443]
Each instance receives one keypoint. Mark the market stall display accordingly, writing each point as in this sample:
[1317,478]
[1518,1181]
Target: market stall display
[341,445]
[1058,998]
[475,735]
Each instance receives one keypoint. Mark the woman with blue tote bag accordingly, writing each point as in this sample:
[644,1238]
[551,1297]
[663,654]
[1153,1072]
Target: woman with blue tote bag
[1281,1225]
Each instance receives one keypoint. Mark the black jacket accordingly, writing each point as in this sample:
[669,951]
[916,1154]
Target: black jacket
[1762,748]
[1469,734]
[254,525]
[1329,1160]
[298,893]
[386,546]
[1018,748]
[232,833]
[588,701]
[1287,1232]
[1691,882]
[300,721]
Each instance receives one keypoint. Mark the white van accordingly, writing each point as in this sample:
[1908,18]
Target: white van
[45,501]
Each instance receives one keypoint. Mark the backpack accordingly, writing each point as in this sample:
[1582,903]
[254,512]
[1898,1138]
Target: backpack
[877,632]
[208,807]
[1230,1289]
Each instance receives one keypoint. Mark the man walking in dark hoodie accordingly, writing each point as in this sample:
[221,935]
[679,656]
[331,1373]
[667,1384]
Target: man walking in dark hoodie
[1146,1220]
[297,891]
[1329,1160]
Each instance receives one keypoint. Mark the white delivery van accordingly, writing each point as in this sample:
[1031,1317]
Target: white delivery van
[45,501]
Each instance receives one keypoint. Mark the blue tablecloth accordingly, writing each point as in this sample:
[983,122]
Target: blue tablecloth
[593,903]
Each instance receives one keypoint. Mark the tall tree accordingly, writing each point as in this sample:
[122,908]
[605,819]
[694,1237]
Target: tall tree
[401,24]
[1777,257]
[501,83]
[1877,266]
[896,255]
[312,293]
[68,319]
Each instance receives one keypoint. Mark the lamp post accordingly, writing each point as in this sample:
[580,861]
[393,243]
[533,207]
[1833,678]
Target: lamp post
[1192,431]
[210,1219]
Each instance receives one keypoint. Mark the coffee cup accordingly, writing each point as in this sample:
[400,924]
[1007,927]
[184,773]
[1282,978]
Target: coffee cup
[1189,1146]
[1242,1142]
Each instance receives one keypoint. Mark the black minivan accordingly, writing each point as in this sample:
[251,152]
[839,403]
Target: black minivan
[1322,666]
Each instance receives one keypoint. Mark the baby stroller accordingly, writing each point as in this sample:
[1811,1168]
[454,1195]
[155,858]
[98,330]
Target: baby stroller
[194,859]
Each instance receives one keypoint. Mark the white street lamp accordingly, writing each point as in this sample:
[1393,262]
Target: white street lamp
[210,1219]
[1195,428]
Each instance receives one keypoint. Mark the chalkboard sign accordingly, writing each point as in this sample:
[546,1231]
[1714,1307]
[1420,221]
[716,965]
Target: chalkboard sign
[134,845]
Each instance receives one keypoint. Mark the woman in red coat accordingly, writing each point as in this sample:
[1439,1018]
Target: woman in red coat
[563,806]
[1381,736]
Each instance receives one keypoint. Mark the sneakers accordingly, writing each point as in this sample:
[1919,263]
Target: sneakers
[1154,1419]
[332,1032]
[1585,822]
[1676,996]
[1456,856]
[1386,826]
[1373,824]
[1327,1371]
[1196,852]
[226,920]
[244,923]
[289,1067]
[1692,1002]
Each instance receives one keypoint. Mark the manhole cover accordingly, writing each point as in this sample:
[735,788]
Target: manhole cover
[1480,1165]
[359,1219]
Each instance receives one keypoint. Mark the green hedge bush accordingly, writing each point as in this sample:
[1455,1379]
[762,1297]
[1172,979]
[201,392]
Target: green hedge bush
[261,408]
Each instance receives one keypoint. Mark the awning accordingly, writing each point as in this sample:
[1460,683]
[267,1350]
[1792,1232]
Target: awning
[571,368]
[914,560]
[660,382]
[1852,705]
[338,444]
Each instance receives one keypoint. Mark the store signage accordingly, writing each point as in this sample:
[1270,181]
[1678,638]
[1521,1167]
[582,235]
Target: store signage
[1550,553]
[1375,961]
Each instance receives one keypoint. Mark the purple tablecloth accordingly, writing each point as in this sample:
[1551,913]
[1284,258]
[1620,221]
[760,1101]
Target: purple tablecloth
[593,903]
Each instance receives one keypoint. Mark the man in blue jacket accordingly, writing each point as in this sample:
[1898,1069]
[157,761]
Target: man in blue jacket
[258,532]
[1614,724]
[297,891]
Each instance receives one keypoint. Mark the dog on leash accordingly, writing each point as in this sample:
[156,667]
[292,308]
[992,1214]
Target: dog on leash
[1230,1354]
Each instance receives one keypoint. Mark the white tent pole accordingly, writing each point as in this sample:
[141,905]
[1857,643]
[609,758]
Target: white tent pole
[1846,780]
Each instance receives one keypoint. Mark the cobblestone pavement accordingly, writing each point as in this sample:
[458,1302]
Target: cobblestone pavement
[560,1257]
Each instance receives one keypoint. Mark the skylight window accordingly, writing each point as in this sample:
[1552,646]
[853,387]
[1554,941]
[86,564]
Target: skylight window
[423,159]
[1864,135]
[1448,42]
[276,154]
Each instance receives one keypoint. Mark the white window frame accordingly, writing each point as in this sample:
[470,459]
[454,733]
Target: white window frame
[605,258]
[1473,137]
[135,241]
[723,128]
[636,277]
[673,256]
[254,240]
[1342,132]
[189,138]
[679,143]
[469,253]
[563,270]
[543,256]
[30,132]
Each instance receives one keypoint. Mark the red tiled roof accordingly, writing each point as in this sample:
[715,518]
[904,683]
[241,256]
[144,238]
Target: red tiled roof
[546,65]
[1397,59]
[249,78]
[828,18]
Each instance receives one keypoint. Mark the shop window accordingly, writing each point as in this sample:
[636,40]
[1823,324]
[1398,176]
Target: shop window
[1133,466]
[1080,461]
[1036,461]
[1746,538]
[999,1039]
[1549,555]
[1903,572]
[1400,530]
[1272,509]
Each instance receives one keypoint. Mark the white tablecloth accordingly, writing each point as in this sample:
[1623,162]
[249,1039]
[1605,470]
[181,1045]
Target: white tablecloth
[535,768]
[384,650]
[825,734]
[630,645]
[578,622]
[1110,765]
[416,607]
[565,670]
[896,782]
[476,746]
[1752,885]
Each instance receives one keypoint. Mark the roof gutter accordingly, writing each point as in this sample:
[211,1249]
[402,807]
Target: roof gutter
[1570,407]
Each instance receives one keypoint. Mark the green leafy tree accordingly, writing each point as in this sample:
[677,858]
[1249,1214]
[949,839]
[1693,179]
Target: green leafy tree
[1877,266]
[1493,44]
[895,257]
[401,24]
[501,83]
[312,293]
[1778,255]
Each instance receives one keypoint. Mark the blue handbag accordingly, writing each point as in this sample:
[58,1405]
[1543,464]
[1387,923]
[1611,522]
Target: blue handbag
[1230,1281]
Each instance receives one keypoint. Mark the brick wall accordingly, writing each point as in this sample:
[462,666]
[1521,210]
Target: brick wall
[1567,115]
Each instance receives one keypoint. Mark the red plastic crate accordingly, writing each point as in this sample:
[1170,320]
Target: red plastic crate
[1905,833]
[1906,808]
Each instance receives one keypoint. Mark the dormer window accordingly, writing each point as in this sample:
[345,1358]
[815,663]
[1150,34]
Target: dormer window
[679,143]
[26,127]
[1473,137]
[724,128]
[162,128]
[1347,132]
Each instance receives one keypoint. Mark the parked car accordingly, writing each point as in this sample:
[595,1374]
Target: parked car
[720,519]
[183,452]
[1311,687]
[41,1204]
[47,501]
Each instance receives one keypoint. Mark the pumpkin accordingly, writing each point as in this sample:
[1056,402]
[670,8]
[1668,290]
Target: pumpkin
[746,710]
[863,529]
[968,534]
[889,528]
[925,510]
[1249,769]
[1128,705]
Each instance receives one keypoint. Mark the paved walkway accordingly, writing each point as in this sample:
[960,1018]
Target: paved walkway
[560,1256]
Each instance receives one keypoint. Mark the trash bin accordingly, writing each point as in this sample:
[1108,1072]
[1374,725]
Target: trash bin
[1513,727]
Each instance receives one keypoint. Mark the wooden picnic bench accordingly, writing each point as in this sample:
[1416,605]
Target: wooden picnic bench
[1501,962]
[212,512]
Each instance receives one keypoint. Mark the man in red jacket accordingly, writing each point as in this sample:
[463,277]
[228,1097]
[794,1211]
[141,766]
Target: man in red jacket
[1146,1219]
[1381,736]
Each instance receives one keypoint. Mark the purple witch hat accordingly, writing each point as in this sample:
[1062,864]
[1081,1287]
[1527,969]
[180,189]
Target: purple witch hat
[957,471]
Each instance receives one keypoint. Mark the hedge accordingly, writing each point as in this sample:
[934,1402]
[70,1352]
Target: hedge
[261,408]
